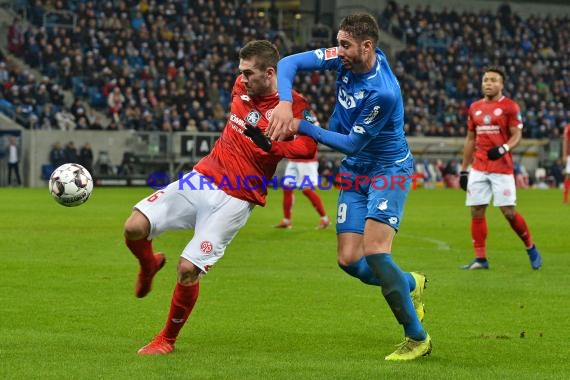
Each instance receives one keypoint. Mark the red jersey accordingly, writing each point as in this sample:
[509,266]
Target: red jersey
[238,166]
[491,123]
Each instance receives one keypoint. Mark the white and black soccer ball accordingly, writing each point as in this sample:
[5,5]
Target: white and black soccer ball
[70,185]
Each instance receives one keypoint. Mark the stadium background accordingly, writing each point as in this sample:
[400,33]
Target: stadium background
[171,65]
[277,306]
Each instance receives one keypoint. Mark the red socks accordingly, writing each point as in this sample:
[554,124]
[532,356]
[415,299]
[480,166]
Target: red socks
[142,249]
[181,305]
[519,225]
[566,189]
[316,201]
[479,236]
[287,203]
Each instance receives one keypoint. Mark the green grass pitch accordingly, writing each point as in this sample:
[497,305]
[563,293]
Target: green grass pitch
[277,306]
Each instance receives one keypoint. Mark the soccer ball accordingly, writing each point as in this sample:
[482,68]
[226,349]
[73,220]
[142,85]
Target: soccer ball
[70,185]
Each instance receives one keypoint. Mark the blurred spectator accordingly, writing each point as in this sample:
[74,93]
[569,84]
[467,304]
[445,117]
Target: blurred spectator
[16,37]
[70,152]
[13,157]
[86,157]
[57,155]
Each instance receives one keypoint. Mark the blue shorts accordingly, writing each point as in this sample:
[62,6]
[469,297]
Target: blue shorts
[373,191]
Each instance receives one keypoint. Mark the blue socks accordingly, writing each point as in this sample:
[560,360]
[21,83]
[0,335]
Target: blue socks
[395,289]
[361,270]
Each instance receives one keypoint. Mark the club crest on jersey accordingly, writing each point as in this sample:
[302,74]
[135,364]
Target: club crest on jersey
[383,204]
[486,119]
[253,117]
[331,53]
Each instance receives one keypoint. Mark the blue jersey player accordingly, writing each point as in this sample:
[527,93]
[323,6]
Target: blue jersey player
[368,126]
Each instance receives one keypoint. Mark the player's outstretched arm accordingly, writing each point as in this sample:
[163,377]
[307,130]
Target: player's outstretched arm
[281,121]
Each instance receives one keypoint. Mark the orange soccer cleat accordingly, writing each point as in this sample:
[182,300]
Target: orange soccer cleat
[158,346]
[144,279]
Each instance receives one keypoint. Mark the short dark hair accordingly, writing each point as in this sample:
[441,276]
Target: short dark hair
[495,69]
[361,26]
[263,51]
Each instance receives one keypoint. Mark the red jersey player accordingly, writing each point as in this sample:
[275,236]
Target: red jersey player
[494,128]
[302,174]
[566,157]
[217,197]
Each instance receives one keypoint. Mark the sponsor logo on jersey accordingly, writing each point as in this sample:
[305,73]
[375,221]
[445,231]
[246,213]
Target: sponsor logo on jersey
[486,119]
[245,98]
[206,247]
[268,114]
[372,116]
[359,94]
[236,120]
[478,112]
[346,100]
[319,53]
[345,79]
[498,112]
[383,204]
[331,53]
[253,117]
[488,129]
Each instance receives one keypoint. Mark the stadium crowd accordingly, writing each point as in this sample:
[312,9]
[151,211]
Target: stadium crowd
[169,65]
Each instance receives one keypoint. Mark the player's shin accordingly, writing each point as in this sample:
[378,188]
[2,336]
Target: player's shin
[395,289]
[361,270]
[181,305]
[519,225]
[142,249]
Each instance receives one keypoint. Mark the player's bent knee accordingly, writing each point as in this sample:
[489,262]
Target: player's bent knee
[136,226]
[188,273]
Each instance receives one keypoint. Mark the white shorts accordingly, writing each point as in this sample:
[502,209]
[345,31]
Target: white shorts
[215,217]
[301,174]
[483,185]
[568,165]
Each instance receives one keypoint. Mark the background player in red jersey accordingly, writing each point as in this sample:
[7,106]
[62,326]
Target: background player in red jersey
[302,172]
[494,128]
[217,197]
[566,157]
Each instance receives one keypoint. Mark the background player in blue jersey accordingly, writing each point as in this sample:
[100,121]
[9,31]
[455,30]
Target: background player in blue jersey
[367,125]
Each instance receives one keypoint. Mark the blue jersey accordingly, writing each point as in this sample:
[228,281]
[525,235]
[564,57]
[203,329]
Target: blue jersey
[368,119]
